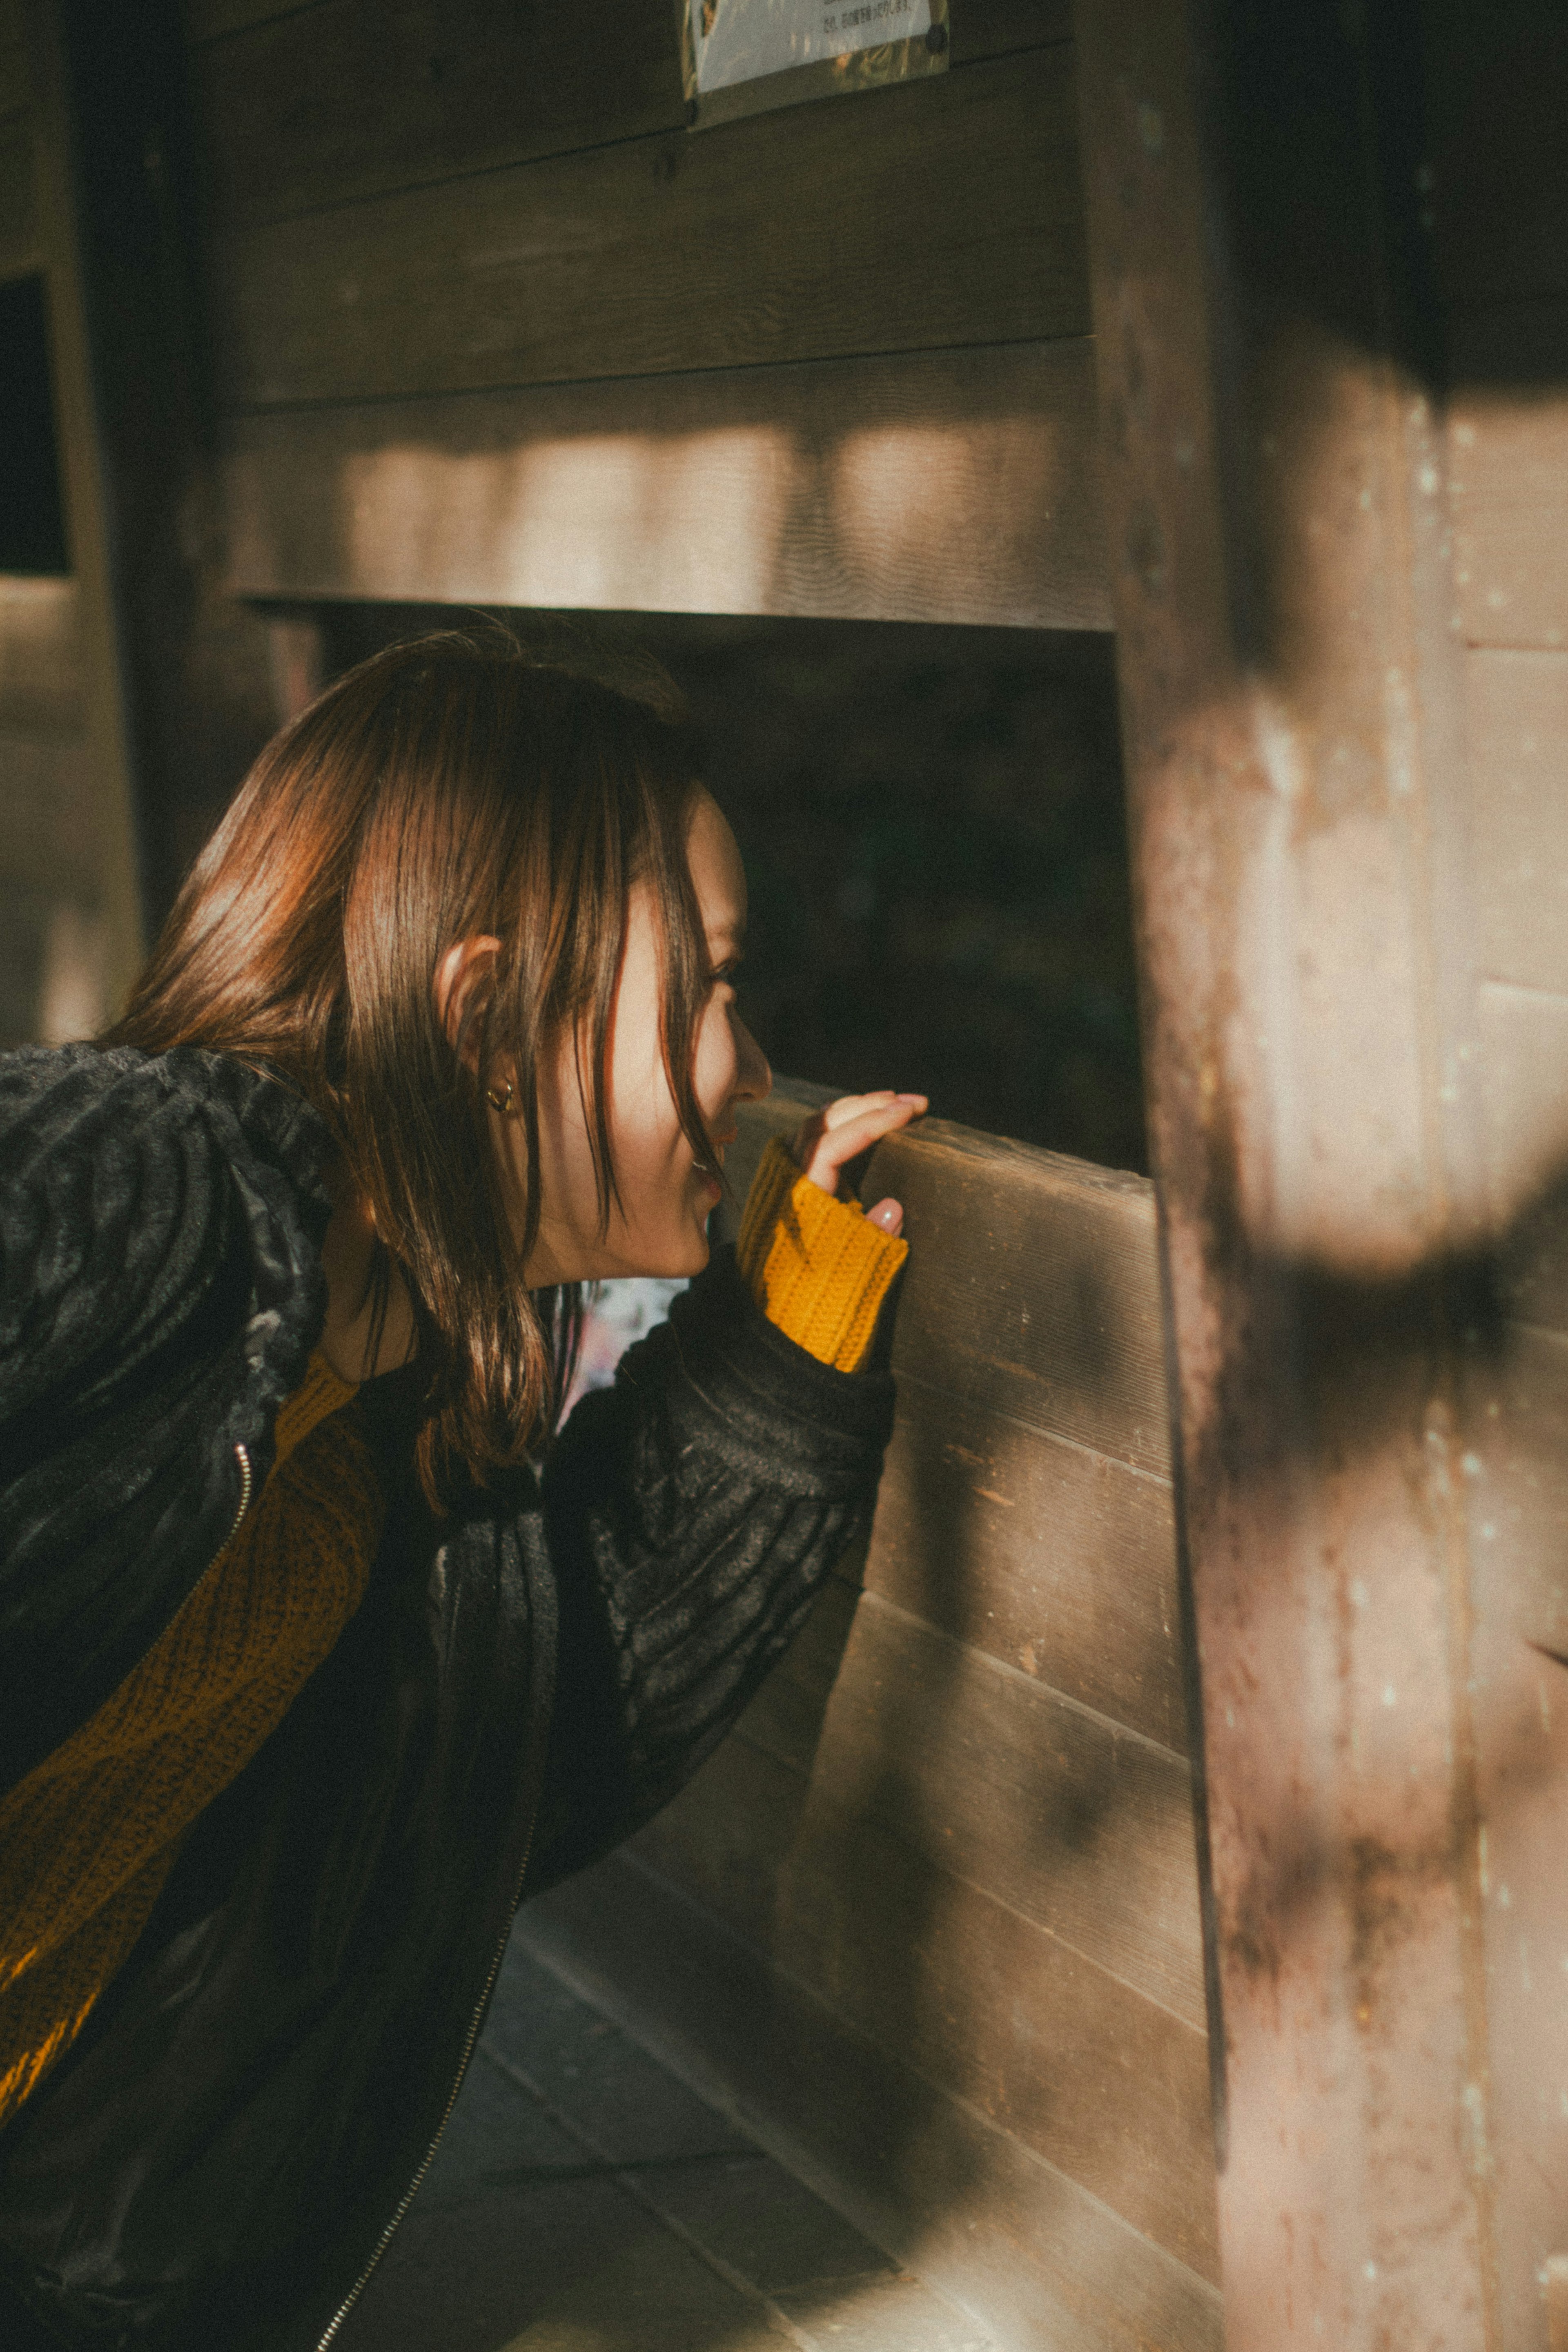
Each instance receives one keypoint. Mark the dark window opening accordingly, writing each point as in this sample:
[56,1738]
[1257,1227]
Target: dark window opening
[934,830]
[32,513]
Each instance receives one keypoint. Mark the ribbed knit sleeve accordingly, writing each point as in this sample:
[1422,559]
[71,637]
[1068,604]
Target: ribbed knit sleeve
[818,1270]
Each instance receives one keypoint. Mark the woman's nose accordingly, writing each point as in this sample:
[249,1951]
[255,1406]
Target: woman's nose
[753,1078]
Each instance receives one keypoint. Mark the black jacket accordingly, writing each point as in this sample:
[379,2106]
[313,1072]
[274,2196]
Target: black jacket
[223,2150]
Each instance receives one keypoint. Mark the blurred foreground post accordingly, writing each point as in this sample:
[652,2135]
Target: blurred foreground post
[1345,1162]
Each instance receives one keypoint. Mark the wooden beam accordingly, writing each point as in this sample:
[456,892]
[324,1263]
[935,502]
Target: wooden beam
[1291,699]
[956,485]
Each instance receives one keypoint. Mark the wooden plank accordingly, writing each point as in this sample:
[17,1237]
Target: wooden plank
[1049,1557]
[949,485]
[1081,1826]
[1045,2266]
[1525,1068]
[668,253]
[1051,1809]
[441,88]
[215,20]
[40,655]
[1109,2088]
[447,87]
[1517,718]
[1032,1288]
[995,28]
[19,217]
[1509,474]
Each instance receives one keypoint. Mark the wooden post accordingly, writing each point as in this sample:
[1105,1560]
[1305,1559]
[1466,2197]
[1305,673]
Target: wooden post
[1276,519]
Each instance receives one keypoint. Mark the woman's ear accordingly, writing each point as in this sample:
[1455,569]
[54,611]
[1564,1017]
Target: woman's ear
[465,967]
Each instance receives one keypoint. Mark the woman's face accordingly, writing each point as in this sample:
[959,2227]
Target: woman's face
[660,1225]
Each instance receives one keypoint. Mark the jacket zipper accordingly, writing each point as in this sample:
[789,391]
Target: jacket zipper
[414,2186]
[244,1460]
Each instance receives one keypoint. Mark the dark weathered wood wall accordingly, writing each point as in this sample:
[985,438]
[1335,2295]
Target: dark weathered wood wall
[489,324]
[931,1914]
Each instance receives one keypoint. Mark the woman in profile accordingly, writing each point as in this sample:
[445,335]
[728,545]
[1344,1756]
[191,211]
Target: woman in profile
[319,1651]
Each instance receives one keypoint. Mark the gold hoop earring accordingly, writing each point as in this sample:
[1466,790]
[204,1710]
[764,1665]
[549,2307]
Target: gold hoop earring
[503,1103]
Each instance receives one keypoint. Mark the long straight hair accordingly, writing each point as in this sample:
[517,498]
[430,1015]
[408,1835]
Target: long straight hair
[444,789]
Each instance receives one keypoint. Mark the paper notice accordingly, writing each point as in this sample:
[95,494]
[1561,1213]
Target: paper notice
[741,41]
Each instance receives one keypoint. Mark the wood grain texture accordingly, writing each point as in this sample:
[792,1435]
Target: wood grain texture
[18,218]
[949,485]
[673,253]
[1031,1289]
[442,88]
[1517,725]
[1042,1554]
[1032,1284]
[1078,1824]
[1523,1038]
[1046,2266]
[1107,2087]
[1046,1807]
[1509,474]
[439,87]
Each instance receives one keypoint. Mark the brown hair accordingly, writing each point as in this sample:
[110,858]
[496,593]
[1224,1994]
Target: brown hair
[443,790]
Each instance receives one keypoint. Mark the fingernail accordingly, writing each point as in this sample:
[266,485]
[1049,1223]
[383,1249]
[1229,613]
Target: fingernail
[887,1216]
[919,1099]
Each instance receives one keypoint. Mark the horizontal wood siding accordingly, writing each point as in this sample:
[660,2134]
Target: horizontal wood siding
[1045,2264]
[355,98]
[1108,2087]
[325,105]
[664,255]
[503,331]
[1034,1548]
[951,485]
[956,1824]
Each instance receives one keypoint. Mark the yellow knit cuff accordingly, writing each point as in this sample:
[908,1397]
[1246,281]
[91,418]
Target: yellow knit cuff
[814,1266]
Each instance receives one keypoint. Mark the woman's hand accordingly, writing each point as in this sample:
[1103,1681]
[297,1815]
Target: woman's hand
[842,1130]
